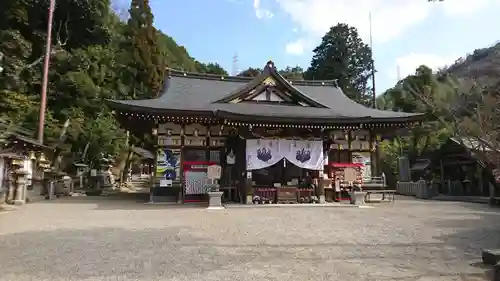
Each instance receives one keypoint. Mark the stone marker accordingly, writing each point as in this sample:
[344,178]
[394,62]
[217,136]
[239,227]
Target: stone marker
[491,257]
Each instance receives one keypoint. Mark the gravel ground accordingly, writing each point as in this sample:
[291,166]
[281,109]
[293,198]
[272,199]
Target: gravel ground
[107,239]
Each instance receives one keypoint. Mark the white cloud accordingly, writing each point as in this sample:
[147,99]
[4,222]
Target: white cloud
[295,47]
[407,64]
[390,18]
[464,7]
[261,13]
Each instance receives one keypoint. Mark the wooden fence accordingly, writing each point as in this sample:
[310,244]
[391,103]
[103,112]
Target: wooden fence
[420,189]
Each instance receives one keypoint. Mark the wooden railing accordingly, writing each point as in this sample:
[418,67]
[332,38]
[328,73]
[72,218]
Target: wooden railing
[374,183]
[270,195]
[264,195]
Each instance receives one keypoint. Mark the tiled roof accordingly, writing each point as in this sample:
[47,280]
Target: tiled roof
[202,92]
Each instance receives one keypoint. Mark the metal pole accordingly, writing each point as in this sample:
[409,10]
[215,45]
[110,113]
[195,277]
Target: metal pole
[373,63]
[43,99]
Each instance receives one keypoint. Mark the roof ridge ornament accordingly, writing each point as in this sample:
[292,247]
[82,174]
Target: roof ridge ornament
[270,65]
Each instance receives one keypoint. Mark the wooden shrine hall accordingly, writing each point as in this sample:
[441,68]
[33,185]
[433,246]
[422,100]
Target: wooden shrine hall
[268,134]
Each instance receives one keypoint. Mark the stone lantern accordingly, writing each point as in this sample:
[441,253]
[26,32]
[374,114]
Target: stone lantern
[81,170]
[19,187]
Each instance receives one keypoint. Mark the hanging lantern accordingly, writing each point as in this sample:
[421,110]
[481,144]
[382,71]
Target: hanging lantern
[32,155]
[17,162]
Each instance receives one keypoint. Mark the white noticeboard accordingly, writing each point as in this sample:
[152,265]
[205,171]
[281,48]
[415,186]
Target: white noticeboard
[165,183]
[214,172]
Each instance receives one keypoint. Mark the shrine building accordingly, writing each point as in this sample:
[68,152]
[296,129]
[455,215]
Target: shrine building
[267,134]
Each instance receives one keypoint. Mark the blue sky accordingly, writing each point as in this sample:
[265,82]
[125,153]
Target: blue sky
[406,33]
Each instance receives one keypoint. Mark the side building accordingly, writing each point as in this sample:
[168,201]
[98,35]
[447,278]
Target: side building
[267,133]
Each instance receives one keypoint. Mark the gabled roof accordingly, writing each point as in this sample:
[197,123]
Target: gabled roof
[270,81]
[211,95]
[144,153]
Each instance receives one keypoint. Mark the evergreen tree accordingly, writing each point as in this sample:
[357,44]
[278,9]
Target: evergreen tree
[147,61]
[342,55]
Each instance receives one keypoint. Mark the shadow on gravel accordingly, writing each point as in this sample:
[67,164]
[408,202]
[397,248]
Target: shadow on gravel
[177,254]
[103,253]
[472,235]
[125,201]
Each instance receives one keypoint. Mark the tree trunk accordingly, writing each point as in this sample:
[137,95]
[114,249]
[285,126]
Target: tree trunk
[126,167]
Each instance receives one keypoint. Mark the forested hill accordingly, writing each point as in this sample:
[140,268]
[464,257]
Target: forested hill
[483,65]
[177,57]
[438,94]
[95,56]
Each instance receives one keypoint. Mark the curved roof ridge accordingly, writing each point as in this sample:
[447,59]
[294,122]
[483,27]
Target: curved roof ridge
[243,79]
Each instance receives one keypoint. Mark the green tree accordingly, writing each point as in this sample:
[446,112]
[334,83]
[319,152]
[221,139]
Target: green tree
[250,72]
[93,59]
[147,62]
[211,68]
[420,140]
[293,73]
[343,56]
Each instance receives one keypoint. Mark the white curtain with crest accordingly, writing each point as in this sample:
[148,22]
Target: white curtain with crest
[304,154]
[262,153]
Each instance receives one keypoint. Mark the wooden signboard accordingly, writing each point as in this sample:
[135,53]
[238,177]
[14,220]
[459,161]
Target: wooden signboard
[214,172]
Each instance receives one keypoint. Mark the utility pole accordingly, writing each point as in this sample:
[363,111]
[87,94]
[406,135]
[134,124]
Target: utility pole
[235,65]
[48,47]
[373,63]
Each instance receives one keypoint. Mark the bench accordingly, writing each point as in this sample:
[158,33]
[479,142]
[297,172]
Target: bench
[386,194]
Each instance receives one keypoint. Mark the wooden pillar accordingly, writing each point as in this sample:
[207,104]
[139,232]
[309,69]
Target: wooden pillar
[372,156]
[153,175]
[349,145]
[181,194]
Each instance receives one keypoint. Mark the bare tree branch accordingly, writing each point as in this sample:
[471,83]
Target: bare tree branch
[57,48]
[470,111]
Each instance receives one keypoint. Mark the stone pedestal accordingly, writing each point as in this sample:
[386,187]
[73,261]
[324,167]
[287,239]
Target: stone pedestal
[358,198]
[11,188]
[249,200]
[496,272]
[20,187]
[320,189]
[3,195]
[49,184]
[215,200]
[491,257]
